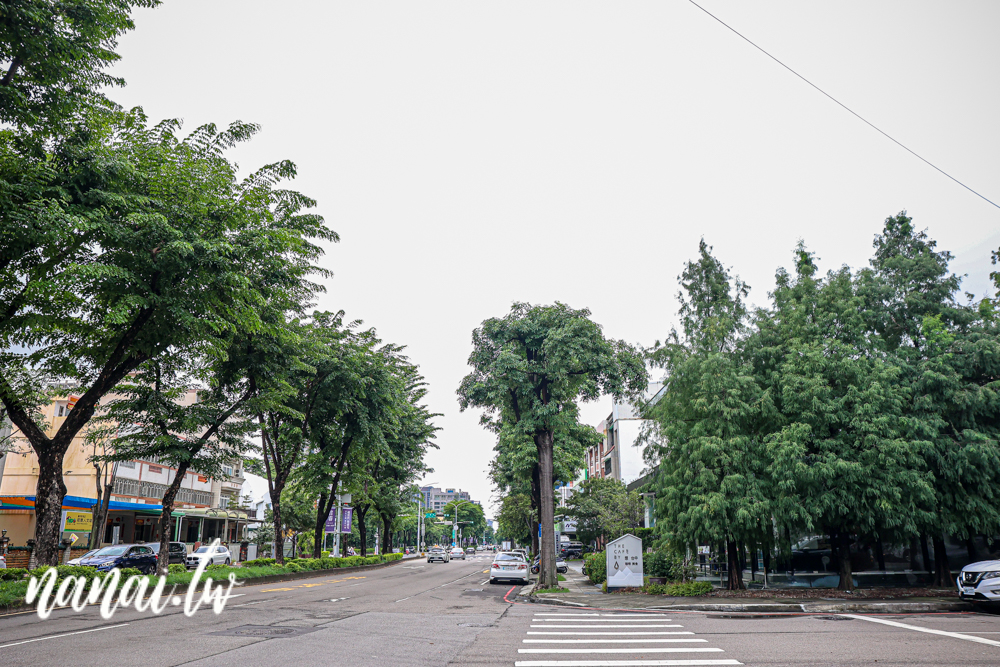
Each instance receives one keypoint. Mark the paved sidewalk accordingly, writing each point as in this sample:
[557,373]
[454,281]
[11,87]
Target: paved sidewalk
[582,593]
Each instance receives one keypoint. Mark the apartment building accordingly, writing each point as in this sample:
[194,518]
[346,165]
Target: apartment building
[436,499]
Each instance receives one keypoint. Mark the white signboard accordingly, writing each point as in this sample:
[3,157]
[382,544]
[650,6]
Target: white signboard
[624,560]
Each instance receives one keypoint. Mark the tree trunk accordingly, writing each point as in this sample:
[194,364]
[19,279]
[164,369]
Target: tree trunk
[842,540]
[913,554]
[928,565]
[386,534]
[49,495]
[361,511]
[546,544]
[163,559]
[942,570]
[880,553]
[536,506]
[970,547]
[279,535]
[733,561]
[753,561]
[323,509]
[767,561]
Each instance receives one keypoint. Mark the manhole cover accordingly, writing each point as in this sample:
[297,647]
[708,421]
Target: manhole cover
[272,631]
[475,625]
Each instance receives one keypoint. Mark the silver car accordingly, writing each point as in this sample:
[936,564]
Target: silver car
[509,565]
[980,581]
[220,555]
[437,553]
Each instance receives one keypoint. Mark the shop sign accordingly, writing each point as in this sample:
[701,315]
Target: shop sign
[624,562]
[81,521]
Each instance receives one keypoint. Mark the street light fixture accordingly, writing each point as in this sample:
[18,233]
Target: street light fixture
[454,527]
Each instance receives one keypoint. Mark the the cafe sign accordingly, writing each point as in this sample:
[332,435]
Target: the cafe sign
[624,561]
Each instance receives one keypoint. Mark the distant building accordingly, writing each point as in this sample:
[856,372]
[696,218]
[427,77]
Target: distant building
[436,499]
[617,455]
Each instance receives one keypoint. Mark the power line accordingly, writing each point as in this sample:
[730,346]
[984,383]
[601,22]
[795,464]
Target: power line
[841,104]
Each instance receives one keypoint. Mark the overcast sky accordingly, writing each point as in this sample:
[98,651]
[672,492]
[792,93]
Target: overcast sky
[472,154]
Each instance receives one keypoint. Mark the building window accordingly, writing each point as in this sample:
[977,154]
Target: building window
[227,470]
[62,409]
[155,470]
[127,464]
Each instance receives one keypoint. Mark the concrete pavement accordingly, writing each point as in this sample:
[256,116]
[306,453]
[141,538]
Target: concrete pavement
[448,614]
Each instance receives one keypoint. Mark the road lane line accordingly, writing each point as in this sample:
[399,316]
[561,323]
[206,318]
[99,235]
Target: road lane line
[654,649]
[621,663]
[636,640]
[672,625]
[615,634]
[537,613]
[66,634]
[945,633]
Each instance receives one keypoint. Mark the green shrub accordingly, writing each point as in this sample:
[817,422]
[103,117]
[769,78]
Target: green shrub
[13,573]
[325,554]
[596,567]
[176,568]
[259,562]
[129,572]
[214,567]
[292,567]
[679,590]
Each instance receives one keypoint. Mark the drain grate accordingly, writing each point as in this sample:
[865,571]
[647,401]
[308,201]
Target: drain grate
[264,631]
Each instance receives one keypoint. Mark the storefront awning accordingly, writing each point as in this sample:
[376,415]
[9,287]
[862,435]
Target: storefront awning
[78,503]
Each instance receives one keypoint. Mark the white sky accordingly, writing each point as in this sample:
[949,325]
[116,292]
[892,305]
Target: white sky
[471,154]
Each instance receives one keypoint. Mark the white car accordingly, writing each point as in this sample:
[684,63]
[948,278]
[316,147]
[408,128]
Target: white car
[3,562]
[509,565]
[980,581]
[458,552]
[221,555]
[76,561]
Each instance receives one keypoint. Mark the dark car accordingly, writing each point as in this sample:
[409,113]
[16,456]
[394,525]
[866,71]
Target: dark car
[178,551]
[121,556]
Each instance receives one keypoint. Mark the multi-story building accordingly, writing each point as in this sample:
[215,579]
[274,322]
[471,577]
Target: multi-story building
[204,509]
[618,455]
[436,499]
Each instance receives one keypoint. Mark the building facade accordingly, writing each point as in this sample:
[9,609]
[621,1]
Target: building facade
[436,499]
[205,508]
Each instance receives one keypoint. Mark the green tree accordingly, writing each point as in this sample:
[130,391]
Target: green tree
[528,367]
[839,457]
[710,485]
[604,507]
[122,243]
[55,55]
[515,521]
[947,354]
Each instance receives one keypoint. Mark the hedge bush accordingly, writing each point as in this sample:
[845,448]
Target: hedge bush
[596,567]
[679,590]
[176,568]
[13,573]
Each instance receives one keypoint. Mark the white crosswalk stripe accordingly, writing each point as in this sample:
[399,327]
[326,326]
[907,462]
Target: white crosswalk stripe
[628,640]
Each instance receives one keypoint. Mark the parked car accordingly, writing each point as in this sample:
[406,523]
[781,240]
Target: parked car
[76,561]
[571,550]
[219,555]
[3,562]
[437,553]
[458,552]
[177,550]
[509,565]
[980,582]
[523,552]
[561,566]
[121,556]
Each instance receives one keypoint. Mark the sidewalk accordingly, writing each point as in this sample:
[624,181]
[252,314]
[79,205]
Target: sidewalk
[582,593]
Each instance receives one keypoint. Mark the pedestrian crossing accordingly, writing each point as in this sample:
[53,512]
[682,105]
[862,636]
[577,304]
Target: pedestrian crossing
[582,639]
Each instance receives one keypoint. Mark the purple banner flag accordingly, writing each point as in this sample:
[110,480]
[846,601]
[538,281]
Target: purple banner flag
[345,520]
[331,521]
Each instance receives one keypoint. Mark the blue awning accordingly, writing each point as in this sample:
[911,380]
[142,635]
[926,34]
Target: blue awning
[80,503]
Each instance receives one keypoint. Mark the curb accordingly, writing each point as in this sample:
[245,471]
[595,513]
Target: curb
[269,579]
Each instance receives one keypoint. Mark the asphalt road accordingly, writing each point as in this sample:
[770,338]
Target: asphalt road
[418,614]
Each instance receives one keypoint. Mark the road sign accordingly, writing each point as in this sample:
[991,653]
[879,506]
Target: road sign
[430,515]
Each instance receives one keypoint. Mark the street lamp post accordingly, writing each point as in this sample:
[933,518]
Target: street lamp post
[454,527]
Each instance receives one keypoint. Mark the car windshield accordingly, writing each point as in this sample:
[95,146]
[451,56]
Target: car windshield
[437,551]
[203,550]
[508,557]
[112,551]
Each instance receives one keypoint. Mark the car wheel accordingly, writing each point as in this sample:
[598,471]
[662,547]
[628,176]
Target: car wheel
[227,561]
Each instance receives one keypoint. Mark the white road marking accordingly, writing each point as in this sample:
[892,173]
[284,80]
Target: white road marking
[604,634]
[621,663]
[66,634]
[968,638]
[655,649]
[609,626]
[247,604]
[578,614]
[606,641]
[645,619]
[401,599]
